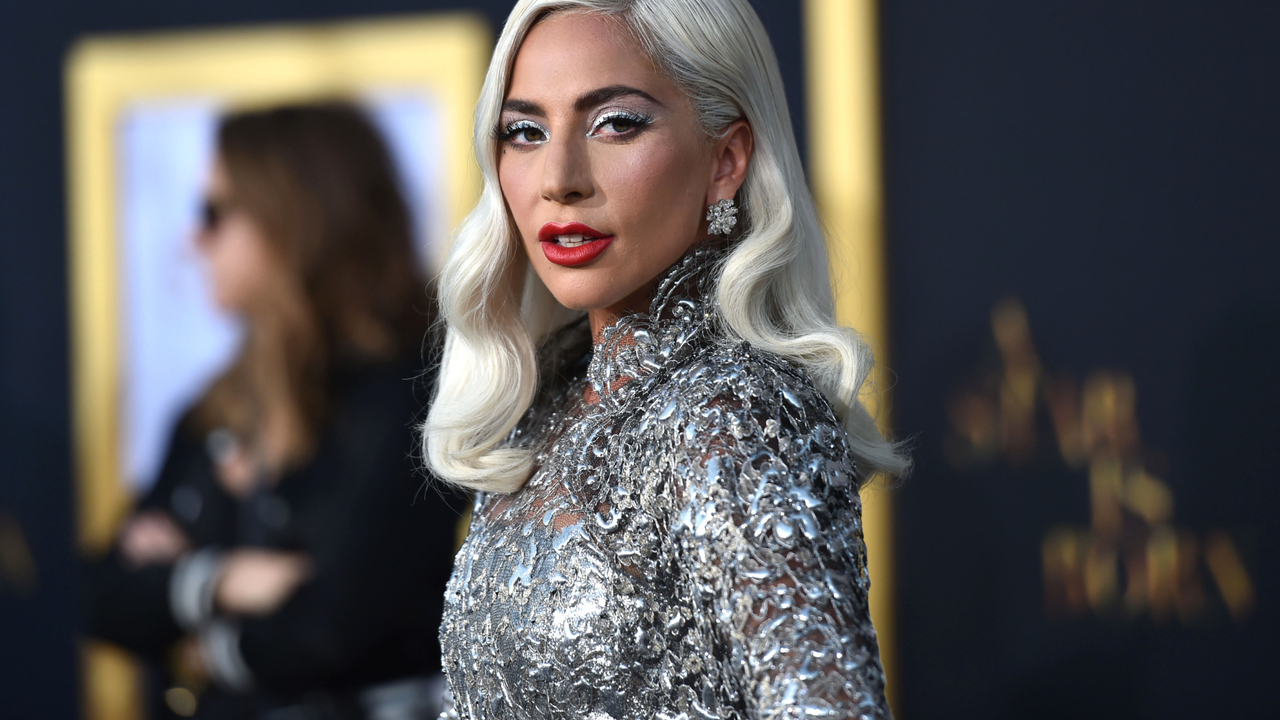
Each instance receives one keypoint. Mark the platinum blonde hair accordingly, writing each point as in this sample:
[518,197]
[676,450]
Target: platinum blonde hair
[774,289]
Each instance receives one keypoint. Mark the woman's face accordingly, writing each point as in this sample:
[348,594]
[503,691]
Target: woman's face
[241,265]
[602,164]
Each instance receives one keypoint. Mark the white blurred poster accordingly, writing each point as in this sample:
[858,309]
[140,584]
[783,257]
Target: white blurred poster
[175,341]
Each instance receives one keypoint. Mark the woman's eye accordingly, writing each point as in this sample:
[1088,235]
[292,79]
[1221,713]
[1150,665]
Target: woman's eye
[524,133]
[532,135]
[620,124]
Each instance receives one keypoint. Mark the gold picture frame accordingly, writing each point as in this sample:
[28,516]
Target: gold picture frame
[444,54]
[842,72]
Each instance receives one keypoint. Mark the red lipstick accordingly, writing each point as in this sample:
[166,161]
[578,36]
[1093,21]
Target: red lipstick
[593,242]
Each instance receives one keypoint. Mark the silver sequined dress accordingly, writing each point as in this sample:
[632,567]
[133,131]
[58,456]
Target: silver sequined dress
[689,546]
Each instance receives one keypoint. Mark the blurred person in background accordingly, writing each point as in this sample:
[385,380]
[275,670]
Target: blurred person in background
[287,563]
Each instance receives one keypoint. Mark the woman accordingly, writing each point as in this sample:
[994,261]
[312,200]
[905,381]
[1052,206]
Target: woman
[644,379]
[286,551]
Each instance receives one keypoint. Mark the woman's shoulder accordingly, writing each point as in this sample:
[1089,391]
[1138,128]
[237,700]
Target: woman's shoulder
[739,378]
[757,447]
[736,401]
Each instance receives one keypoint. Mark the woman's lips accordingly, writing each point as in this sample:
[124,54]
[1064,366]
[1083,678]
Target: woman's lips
[572,244]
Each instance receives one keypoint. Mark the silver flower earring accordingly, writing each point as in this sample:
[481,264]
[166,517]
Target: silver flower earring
[722,217]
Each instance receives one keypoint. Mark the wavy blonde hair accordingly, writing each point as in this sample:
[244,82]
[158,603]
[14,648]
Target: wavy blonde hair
[774,289]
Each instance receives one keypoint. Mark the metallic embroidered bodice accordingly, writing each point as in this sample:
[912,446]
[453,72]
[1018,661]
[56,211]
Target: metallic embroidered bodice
[689,546]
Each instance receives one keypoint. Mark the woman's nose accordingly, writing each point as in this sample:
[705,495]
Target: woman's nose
[566,173]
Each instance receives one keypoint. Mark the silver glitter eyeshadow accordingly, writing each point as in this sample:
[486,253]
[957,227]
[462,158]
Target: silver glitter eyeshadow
[690,546]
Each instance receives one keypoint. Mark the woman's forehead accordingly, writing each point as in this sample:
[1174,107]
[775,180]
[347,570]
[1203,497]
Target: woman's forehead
[569,55]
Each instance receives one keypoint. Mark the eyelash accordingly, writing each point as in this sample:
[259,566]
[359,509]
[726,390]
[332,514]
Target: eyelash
[638,122]
[509,133]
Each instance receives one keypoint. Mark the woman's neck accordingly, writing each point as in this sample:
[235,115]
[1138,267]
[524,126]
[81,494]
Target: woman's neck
[636,302]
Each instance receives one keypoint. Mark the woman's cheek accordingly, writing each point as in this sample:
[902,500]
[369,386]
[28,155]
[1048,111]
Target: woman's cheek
[513,178]
[641,173]
[642,185]
[658,191]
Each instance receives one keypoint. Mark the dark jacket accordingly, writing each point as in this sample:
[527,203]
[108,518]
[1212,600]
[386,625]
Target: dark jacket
[380,535]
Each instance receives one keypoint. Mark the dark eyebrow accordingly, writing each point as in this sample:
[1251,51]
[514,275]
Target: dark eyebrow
[524,107]
[605,94]
[586,102]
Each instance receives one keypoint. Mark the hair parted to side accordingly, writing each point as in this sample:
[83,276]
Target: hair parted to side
[774,288]
[318,179]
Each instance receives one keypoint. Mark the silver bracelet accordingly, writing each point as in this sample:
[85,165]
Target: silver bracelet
[192,587]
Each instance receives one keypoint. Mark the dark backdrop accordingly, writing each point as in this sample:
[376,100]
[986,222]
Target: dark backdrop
[1114,167]
[37,660]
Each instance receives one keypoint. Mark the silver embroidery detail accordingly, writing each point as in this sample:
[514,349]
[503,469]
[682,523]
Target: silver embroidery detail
[689,548]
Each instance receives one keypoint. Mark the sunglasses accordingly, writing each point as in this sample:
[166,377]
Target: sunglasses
[213,212]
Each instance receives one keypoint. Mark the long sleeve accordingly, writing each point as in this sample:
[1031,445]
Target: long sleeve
[381,540]
[129,607]
[132,607]
[770,540]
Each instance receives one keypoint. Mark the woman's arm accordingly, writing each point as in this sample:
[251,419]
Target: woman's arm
[128,592]
[380,553]
[770,541]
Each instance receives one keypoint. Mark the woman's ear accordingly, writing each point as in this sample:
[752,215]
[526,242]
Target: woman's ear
[730,159]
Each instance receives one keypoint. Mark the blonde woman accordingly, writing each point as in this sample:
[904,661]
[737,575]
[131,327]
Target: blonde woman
[644,381]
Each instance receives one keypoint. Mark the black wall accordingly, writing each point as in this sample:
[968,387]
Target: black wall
[1113,166]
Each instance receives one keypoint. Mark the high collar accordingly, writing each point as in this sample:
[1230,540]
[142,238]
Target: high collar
[636,346]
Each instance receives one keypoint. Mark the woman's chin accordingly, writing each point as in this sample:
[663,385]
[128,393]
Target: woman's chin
[576,297]
[583,304]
